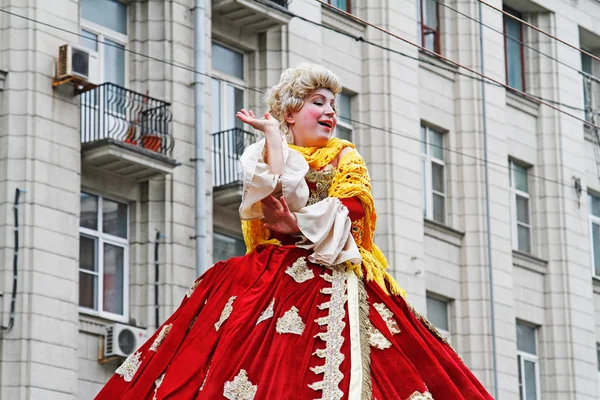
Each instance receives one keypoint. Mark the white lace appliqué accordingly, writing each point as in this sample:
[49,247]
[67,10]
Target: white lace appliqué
[290,322]
[128,369]
[377,340]
[300,271]
[161,337]
[332,376]
[225,313]
[268,313]
[420,396]
[240,388]
[191,289]
[388,317]
[157,384]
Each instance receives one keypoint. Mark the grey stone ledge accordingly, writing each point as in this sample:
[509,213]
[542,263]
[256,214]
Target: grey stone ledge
[437,66]
[442,232]
[529,262]
[596,284]
[522,103]
[342,22]
[2,78]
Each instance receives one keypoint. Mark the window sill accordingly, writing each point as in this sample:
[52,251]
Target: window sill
[95,323]
[596,284]
[588,133]
[342,22]
[438,66]
[529,262]
[442,232]
[522,103]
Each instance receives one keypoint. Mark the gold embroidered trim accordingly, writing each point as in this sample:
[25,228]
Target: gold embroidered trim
[161,337]
[290,322]
[193,287]
[322,180]
[225,313]
[128,369]
[268,313]
[388,317]
[240,388]
[365,349]
[157,383]
[205,378]
[430,327]
[332,376]
[420,396]
[377,340]
[300,271]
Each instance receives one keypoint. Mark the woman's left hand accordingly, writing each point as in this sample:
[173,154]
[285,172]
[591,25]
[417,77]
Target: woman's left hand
[278,217]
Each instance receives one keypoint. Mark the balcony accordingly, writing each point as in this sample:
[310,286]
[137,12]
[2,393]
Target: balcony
[125,133]
[251,15]
[228,146]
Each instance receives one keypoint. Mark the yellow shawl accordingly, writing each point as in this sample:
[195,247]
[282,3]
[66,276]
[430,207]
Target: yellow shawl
[351,180]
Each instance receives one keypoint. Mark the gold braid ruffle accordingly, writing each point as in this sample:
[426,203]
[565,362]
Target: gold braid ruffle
[351,180]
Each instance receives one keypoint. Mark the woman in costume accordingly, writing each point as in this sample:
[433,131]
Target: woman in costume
[310,311]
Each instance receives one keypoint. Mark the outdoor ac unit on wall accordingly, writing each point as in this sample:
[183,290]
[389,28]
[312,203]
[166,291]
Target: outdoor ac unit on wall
[122,340]
[77,63]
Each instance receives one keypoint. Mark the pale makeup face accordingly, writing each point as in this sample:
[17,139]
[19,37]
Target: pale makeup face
[315,123]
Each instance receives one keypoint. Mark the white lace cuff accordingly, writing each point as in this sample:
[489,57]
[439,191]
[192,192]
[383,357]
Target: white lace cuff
[260,181]
[327,231]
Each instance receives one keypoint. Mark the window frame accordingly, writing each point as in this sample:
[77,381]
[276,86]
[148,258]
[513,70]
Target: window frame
[422,27]
[523,356]
[102,34]
[234,81]
[102,238]
[517,14]
[443,332]
[340,120]
[594,219]
[348,6]
[428,160]
[584,79]
[514,192]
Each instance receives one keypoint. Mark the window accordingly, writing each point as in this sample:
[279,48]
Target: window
[227,98]
[104,30]
[344,124]
[520,206]
[595,233]
[514,51]
[437,314]
[103,256]
[527,359]
[341,4]
[586,67]
[428,24]
[434,174]
[225,247]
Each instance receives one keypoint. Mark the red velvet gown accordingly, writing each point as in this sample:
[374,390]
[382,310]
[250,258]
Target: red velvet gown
[272,325]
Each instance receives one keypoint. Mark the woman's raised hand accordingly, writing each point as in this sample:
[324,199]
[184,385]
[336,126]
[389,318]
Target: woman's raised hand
[269,125]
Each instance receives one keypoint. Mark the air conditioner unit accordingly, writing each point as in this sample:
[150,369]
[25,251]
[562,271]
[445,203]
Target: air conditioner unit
[78,63]
[122,340]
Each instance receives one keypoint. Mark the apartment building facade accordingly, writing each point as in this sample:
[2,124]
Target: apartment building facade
[100,174]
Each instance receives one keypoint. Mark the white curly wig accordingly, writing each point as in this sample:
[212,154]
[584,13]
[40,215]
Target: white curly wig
[293,88]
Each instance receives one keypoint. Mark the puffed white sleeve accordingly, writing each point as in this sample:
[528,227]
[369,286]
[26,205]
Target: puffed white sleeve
[259,181]
[326,229]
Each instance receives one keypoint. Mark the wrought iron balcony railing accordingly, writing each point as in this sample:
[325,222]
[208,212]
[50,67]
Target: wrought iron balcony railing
[111,111]
[228,146]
